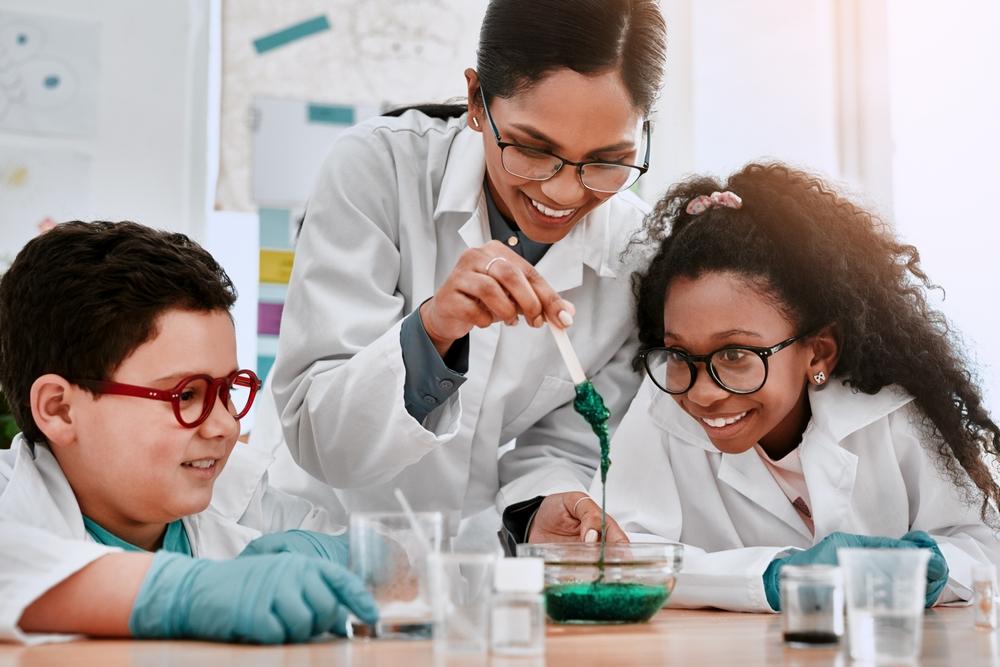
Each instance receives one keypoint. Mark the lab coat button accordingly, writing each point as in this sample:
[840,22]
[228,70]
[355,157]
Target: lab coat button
[446,384]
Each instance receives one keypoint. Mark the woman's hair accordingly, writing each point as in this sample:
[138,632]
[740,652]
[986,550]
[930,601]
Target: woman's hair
[826,261]
[521,41]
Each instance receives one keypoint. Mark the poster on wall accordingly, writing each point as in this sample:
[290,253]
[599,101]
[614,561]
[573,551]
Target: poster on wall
[49,70]
[371,54]
[306,130]
[28,179]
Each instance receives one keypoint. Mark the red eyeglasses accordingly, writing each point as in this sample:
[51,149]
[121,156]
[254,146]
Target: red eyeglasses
[193,397]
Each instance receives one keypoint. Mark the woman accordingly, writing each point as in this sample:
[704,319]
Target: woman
[428,239]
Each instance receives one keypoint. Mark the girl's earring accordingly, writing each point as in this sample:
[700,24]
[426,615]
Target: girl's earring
[475,122]
[820,377]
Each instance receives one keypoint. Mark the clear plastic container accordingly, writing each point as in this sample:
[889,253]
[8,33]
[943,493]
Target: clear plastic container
[812,604]
[984,587]
[518,614]
[631,585]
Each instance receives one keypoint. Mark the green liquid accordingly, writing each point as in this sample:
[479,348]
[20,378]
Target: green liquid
[590,406]
[603,603]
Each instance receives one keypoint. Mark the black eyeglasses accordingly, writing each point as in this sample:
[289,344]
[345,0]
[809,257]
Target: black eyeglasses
[538,165]
[739,369]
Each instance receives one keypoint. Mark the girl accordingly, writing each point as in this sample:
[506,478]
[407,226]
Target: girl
[801,395]
[431,234]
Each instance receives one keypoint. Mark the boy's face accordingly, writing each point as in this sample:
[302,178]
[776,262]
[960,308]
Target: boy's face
[131,462]
[704,314]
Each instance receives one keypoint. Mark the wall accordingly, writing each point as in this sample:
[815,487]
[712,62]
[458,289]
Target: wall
[944,65]
[148,162]
[746,80]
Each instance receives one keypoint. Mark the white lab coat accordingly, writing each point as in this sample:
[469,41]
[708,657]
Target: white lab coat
[397,202]
[867,466]
[43,540]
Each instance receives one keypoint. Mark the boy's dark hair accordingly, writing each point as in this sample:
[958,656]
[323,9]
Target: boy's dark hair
[79,299]
[825,260]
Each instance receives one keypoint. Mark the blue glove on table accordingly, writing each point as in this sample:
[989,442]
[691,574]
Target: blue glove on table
[937,566]
[267,599]
[334,548]
[825,553]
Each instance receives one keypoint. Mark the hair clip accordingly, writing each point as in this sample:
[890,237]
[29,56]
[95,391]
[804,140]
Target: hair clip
[702,203]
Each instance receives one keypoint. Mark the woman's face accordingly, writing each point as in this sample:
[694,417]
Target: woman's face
[577,117]
[706,313]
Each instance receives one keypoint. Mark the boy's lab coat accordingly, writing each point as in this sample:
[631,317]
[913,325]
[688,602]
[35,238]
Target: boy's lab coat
[43,540]
[868,466]
[397,202]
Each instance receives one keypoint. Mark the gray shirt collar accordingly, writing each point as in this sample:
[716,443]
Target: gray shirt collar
[508,233]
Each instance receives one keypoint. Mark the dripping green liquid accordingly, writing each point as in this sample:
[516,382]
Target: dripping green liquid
[590,406]
[601,601]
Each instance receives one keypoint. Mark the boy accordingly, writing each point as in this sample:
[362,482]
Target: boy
[118,358]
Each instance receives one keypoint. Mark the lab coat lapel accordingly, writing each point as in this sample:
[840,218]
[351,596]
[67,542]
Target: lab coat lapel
[588,243]
[39,494]
[830,472]
[744,473]
[747,475]
[829,469]
[482,351]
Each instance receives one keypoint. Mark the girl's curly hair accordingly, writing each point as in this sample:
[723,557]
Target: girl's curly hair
[825,260]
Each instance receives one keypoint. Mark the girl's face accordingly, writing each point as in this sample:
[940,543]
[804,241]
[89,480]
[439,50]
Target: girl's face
[575,116]
[706,313]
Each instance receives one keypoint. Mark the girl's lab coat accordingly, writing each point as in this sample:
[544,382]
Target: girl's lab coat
[868,467]
[397,202]
[43,541]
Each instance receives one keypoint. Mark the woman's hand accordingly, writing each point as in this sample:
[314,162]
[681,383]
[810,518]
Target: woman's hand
[490,284]
[572,517]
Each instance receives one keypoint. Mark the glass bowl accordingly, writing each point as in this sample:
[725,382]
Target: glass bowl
[634,582]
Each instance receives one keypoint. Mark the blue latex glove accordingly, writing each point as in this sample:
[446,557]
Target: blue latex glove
[334,548]
[937,566]
[822,553]
[268,599]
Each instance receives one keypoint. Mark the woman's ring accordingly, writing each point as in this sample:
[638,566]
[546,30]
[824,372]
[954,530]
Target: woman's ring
[490,263]
[577,504]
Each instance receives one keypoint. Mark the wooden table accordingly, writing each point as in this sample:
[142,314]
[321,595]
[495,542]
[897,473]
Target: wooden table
[673,637]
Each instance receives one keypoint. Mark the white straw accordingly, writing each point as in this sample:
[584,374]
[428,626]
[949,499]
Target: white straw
[425,542]
[568,354]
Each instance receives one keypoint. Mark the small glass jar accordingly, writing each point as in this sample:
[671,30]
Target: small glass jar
[812,603]
[517,622]
[984,587]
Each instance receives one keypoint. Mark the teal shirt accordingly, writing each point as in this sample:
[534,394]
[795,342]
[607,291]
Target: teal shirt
[175,540]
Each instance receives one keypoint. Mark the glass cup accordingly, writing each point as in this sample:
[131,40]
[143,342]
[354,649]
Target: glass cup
[461,588]
[812,605]
[885,602]
[391,559]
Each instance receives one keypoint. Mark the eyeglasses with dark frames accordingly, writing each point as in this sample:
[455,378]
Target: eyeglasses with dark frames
[538,165]
[739,369]
[193,397]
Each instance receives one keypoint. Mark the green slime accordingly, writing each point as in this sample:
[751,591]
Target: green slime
[603,602]
[598,601]
[589,404]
